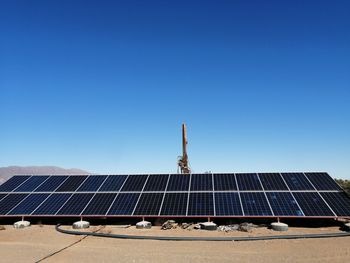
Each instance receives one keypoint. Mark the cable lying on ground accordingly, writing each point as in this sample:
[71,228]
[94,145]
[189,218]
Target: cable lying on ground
[173,238]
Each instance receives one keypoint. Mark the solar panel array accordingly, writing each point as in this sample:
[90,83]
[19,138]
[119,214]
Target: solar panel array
[207,195]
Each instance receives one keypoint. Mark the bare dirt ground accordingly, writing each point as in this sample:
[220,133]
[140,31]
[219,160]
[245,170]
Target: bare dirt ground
[34,243]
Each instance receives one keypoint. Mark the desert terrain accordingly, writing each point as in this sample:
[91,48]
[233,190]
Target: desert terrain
[38,241]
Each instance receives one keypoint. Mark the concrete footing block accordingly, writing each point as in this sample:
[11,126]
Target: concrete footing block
[21,224]
[279,226]
[81,225]
[143,225]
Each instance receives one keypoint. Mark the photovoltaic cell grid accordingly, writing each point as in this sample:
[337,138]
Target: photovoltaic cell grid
[226,195]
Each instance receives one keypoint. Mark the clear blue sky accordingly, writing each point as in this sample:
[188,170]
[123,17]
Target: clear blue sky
[105,85]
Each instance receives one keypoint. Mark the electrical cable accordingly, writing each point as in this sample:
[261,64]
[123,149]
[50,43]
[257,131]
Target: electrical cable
[177,238]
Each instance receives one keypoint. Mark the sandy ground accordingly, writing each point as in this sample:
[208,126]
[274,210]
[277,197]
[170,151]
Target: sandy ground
[36,242]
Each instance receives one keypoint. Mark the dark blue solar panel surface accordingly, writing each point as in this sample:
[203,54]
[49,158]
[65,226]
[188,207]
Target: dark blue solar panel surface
[339,202]
[322,181]
[224,182]
[201,182]
[32,183]
[92,183]
[248,182]
[312,204]
[10,201]
[113,183]
[156,182]
[124,204]
[149,204]
[297,181]
[200,204]
[178,182]
[175,204]
[264,194]
[134,183]
[272,181]
[71,184]
[52,204]
[283,204]
[13,183]
[99,204]
[51,184]
[75,204]
[28,205]
[227,204]
[2,196]
[255,204]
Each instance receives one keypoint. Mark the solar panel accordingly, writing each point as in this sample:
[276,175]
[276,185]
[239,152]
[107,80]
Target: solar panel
[312,204]
[297,181]
[51,205]
[200,204]
[51,184]
[283,204]
[248,182]
[28,205]
[178,182]
[124,204]
[322,181]
[339,202]
[156,182]
[227,204]
[71,184]
[99,204]
[174,204]
[134,183]
[13,183]
[201,182]
[113,183]
[2,196]
[92,183]
[10,201]
[272,181]
[75,204]
[149,204]
[32,183]
[255,204]
[204,195]
[224,182]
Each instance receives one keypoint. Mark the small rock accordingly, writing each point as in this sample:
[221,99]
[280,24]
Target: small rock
[2,228]
[170,224]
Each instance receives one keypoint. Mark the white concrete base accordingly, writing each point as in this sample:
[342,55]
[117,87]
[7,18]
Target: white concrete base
[21,224]
[81,225]
[209,226]
[279,226]
[143,225]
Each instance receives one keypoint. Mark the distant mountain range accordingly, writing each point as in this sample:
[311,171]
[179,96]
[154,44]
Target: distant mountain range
[7,172]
